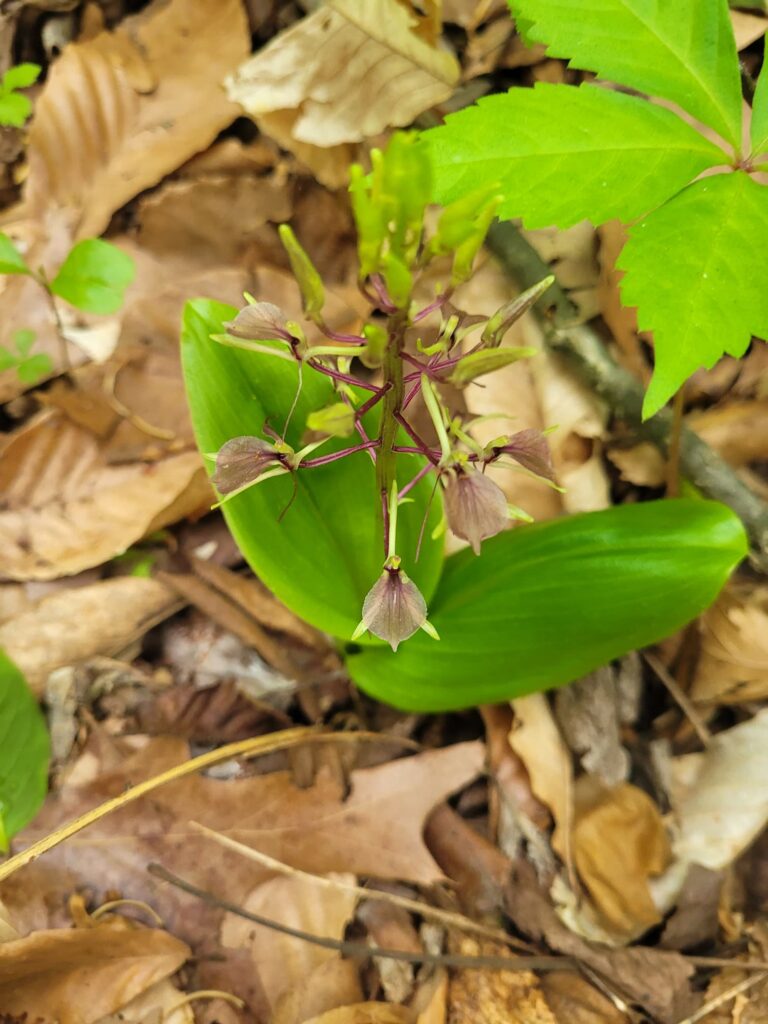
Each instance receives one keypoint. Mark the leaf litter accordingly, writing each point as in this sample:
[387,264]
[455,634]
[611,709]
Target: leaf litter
[605,825]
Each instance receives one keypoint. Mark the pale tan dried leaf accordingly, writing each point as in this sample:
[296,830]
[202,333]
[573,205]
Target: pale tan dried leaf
[470,13]
[619,842]
[724,809]
[748,27]
[643,464]
[736,430]
[120,111]
[536,740]
[436,992]
[588,714]
[350,70]
[333,984]
[571,253]
[66,509]
[329,164]
[495,997]
[72,625]
[282,963]
[622,320]
[155,1006]
[365,1013]
[79,975]
[573,1000]
[733,661]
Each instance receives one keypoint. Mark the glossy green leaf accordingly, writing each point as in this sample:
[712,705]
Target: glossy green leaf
[682,50]
[562,153]
[690,268]
[15,108]
[94,276]
[21,76]
[327,552]
[11,260]
[24,752]
[759,127]
[545,604]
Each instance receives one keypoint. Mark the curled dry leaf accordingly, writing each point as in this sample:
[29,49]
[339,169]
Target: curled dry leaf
[79,975]
[66,509]
[588,712]
[74,624]
[733,661]
[513,996]
[343,74]
[158,78]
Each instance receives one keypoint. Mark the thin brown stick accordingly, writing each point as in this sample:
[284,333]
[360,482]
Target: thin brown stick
[446,917]
[680,698]
[362,949]
[724,997]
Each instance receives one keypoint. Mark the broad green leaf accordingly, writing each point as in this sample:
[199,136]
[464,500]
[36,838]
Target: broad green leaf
[21,76]
[759,129]
[681,50]
[11,260]
[94,276]
[562,153]
[14,109]
[545,604]
[690,270]
[327,552]
[24,753]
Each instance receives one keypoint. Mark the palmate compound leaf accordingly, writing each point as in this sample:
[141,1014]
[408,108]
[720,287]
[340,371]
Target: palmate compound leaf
[94,276]
[545,604]
[561,154]
[690,270]
[681,50]
[24,752]
[327,552]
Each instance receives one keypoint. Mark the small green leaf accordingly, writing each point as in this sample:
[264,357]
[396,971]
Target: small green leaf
[486,360]
[14,109]
[94,276]
[545,604]
[759,130]
[682,50]
[33,369]
[7,358]
[11,260]
[690,270]
[564,153]
[328,551]
[24,751]
[21,76]
[24,340]
[336,420]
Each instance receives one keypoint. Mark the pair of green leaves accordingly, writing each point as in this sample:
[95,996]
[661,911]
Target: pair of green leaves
[24,753]
[93,277]
[29,366]
[562,154]
[541,605]
[15,108]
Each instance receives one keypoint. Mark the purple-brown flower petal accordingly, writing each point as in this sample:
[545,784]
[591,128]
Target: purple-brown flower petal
[393,608]
[529,448]
[475,506]
[260,321]
[240,461]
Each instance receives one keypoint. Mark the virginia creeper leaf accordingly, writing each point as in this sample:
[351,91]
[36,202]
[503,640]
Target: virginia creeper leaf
[11,260]
[94,276]
[562,154]
[24,752]
[681,50]
[690,270]
[15,108]
[545,604]
[21,76]
[759,130]
[327,552]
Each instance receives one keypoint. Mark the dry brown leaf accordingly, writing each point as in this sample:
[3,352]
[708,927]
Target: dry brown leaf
[572,256]
[331,985]
[536,740]
[733,662]
[589,714]
[748,27]
[158,1005]
[391,927]
[436,992]
[495,997]
[345,73]
[643,464]
[65,510]
[72,625]
[619,842]
[622,320]
[120,111]
[736,430]
[283,963]
[79,975]
[365,1013]
[573,1000]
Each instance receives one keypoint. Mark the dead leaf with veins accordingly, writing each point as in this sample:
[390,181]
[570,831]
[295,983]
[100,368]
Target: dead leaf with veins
[733,660]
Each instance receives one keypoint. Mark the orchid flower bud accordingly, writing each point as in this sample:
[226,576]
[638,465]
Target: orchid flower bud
[337,420]
[502,320]
[394,608]
[260,321]
[309,281]
[242,461]
[475,506]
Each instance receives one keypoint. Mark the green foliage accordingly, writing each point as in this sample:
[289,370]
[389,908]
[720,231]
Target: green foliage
[322,557]
[709,296]
[11,260]
[545,604]
[94,276]
[560,154]
[24,753]
[14,107]
[564,153]
[29,368]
